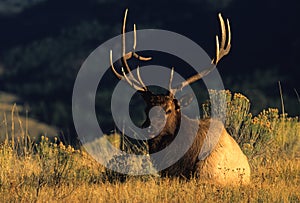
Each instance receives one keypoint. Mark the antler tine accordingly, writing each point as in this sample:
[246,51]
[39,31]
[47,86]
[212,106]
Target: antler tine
[134,36]
[135,55]
[223,30]
[126,56]
[119,76]
[113,67]
[132,83]
[221,51]
[141,58]
[172,91]
[140,79]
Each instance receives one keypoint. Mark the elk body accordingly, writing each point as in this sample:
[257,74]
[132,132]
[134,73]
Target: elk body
[226,163]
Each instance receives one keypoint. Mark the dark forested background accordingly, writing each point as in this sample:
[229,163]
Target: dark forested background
[44,42]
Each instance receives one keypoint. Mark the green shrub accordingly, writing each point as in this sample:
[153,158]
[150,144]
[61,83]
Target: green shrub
[263,135]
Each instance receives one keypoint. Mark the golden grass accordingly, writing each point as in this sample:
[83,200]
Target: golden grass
[272,181]
[55,173]
[50,171]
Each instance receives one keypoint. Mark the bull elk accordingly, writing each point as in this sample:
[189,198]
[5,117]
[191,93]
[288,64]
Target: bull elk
[226,163]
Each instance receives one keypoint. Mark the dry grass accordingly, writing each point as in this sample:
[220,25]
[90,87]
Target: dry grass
[22,180]
[50,171]
[14,122]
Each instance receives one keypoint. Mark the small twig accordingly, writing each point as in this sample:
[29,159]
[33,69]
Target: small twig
[6,129]
[298,97]
[281,98]
[13,126]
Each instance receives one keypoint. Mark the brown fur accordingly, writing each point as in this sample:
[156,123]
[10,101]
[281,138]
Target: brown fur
[225,163]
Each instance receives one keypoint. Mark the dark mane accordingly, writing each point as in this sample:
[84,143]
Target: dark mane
[185,166]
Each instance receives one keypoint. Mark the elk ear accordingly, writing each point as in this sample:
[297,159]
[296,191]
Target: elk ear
[185,100]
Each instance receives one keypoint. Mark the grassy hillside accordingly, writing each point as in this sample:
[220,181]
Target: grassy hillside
[15,121]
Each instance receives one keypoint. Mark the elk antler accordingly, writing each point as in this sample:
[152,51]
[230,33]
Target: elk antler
[132,81]
[221,51]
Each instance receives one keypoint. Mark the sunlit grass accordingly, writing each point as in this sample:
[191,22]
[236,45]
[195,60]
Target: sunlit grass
[52,171]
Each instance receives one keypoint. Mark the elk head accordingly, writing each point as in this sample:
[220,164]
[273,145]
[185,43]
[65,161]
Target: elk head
[163,110]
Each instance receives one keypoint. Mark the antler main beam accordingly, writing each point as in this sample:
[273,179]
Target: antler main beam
[221,51]
[135,83]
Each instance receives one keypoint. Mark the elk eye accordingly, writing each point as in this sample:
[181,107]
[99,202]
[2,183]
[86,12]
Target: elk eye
[168,111]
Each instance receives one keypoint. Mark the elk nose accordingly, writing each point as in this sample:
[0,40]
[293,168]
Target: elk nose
[156,112]
[157,117]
